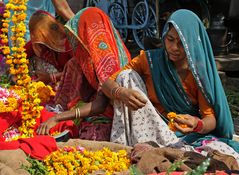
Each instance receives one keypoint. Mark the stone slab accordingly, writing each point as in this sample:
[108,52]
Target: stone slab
[227,62]
[228,81]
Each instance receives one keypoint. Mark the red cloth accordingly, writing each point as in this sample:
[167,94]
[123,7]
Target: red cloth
[29,49]
[39,146]
[180,173]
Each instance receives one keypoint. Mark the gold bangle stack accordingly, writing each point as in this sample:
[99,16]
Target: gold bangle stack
[77,113]
[115,92]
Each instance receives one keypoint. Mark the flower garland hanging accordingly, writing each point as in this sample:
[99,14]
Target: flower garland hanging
[16,59]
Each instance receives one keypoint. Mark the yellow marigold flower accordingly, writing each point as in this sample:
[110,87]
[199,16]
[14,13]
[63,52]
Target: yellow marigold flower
[14,49]
[7,14]
[20,34]
[22,16]
[22,7]
[9,6]
[9,57]
[23,60]
[37,101]
[19,82]
[21,49]
[24,135]
[9,61]
[25,71]
[14,19]
[3,36]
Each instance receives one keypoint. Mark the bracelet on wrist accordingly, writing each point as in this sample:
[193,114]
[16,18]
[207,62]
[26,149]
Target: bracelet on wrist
[199,126]
[115,92]
[77,113]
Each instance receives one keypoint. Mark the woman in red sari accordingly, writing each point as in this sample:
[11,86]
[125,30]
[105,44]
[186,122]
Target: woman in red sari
[98,52]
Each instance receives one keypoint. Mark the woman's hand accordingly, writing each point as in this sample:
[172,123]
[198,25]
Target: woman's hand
[188,120]
[44,128]
[43,76]
[132,98]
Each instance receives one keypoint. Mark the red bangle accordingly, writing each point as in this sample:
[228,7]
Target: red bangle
[199,126]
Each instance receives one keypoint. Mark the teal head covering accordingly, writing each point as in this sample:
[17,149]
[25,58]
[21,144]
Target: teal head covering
[202,65]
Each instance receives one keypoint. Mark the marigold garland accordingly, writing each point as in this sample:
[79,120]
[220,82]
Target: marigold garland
[16,57]
[31,94]
[73,161]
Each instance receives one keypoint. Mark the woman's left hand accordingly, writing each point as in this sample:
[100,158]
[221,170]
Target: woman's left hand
[188,120]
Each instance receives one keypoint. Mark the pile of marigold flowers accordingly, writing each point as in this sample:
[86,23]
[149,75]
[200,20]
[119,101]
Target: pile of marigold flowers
[73,161]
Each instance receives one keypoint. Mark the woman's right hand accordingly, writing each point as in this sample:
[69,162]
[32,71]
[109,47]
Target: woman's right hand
[44,128]
[43,76]
[132,98]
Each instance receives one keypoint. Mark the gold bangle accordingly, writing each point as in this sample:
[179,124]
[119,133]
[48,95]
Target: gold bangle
[77,113]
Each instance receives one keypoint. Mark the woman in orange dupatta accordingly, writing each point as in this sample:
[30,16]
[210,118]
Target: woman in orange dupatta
[48,48]
[98,53]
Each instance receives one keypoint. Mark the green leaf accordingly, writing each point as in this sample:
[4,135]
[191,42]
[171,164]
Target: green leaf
[174,166]
[36,168]
[134,170]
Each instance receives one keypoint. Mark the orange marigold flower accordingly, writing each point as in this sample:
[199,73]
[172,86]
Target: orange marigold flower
[6,50]
[4,30]
[171,116]
[4,41]
[9,61]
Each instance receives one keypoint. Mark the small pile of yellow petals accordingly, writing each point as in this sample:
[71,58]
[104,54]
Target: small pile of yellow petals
[10,105]
[55,133]
[9,100]
[171,116]
[71,161]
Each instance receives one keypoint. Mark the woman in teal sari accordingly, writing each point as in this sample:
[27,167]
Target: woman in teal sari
[181,77]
